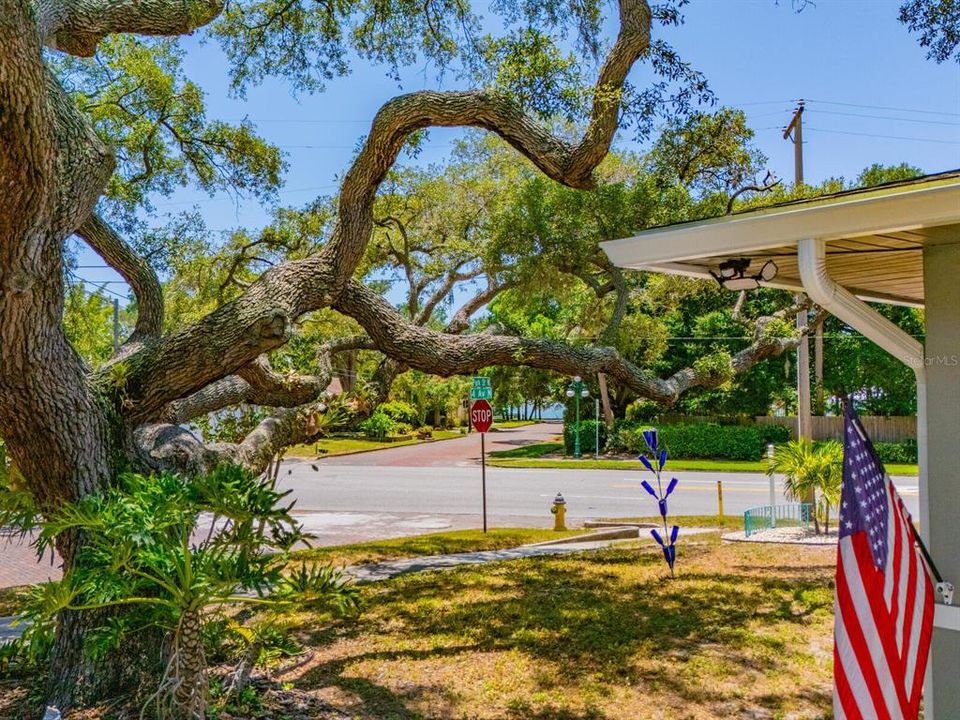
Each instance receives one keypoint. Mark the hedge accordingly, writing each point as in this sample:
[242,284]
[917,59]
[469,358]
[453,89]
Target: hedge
[689,441]
[905,452]
[588,436]
[712,441]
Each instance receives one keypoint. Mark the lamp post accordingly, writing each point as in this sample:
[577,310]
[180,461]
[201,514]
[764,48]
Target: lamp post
[577,390]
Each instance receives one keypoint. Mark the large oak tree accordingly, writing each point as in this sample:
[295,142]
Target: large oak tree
[70,430]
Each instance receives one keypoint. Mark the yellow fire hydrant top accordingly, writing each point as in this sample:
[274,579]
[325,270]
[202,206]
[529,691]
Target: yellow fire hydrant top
[559,511]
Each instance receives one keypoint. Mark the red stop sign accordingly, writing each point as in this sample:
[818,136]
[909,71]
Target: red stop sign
[481,416]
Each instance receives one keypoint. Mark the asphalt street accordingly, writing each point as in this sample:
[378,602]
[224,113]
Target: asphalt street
[444,478]
[437,486]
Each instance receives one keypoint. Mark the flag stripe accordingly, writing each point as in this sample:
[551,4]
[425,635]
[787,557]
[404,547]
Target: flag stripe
[873,652]
[851,692]
[884,594]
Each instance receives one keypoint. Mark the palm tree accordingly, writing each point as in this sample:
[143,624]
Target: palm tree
[811,469]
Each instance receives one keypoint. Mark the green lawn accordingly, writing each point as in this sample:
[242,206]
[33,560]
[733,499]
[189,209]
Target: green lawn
[727,522]
[343,446]
[532,456]
[11,599]
[432,544]
[513,423]
[743,631]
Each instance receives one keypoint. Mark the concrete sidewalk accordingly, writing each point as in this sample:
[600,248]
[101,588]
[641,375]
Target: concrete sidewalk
[376,572]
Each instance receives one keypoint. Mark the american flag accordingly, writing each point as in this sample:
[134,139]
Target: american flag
[884,600]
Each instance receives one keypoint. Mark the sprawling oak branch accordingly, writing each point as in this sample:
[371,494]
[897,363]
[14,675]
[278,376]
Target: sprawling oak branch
[172,448]
[262,318]
[255,384]
[78,26]
[443,354]
[568,163]
[115,251]
[461,319]
[259,384]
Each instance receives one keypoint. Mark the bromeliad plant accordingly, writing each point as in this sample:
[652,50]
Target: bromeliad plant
[144,548]
[668,540]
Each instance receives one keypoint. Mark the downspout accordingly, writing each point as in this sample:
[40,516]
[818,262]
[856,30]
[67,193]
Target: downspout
[840,302]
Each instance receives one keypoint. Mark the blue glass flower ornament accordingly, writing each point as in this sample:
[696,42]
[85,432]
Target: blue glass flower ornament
[646,463]
[650,437]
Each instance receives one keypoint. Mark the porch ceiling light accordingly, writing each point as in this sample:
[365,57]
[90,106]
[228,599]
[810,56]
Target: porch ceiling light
[733,274]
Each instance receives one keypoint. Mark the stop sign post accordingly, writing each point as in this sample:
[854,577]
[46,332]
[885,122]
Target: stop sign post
[481,417]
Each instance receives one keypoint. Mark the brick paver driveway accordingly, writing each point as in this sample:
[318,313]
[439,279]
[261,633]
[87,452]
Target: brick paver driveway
[458,451]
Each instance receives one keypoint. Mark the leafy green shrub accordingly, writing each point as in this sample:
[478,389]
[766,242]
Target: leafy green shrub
[141,551]
[707,440]
[905,452]
[402,428]
[378,426]
[620,436]
[588,436]
[642,411]
[400,412]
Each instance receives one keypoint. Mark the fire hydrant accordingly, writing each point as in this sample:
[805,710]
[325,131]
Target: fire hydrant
[559,511]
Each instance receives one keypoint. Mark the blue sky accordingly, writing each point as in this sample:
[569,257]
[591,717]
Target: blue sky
[872,97]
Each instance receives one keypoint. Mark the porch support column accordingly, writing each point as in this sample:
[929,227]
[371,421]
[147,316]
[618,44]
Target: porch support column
[940,500]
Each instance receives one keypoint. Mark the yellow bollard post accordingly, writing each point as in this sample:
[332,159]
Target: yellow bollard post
[559,511]
[720,499]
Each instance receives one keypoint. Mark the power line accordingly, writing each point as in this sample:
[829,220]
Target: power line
[92,282]
[887,137]
[884,107]
[887,117]
[221,199]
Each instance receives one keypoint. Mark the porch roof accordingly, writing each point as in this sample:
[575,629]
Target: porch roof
[874,238]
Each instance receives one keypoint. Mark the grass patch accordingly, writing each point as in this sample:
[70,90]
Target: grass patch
[513,423]
[12,598]
[519,460]
[536,450]
[432,544]
[727,522]
[344,446]
[743,631]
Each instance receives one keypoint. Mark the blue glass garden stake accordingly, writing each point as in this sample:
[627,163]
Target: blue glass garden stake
[668,540]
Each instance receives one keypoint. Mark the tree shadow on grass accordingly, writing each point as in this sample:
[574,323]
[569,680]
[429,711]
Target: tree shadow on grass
[589,623]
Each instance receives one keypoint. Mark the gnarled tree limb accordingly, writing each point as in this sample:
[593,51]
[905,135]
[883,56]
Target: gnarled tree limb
[443,354]
[115,251]
[261,319]
[77,26]
[169,447]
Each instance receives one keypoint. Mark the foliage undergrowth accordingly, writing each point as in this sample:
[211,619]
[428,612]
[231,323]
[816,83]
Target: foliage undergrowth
[144,547]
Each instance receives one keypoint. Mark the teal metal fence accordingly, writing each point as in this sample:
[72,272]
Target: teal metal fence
[768,516]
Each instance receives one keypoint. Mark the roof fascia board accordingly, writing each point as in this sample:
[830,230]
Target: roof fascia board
[697,271]
[774,227]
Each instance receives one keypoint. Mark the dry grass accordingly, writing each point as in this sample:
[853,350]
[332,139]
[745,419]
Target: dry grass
[743,632]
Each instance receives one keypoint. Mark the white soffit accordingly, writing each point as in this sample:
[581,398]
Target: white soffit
[845,215]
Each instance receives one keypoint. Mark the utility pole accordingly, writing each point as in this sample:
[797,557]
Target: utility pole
[794,132]
[116,325]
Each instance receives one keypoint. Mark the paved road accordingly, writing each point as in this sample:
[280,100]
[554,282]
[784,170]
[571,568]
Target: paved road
[446,482]
[436,486]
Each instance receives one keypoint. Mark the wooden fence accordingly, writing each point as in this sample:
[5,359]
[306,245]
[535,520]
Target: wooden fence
[880,429]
